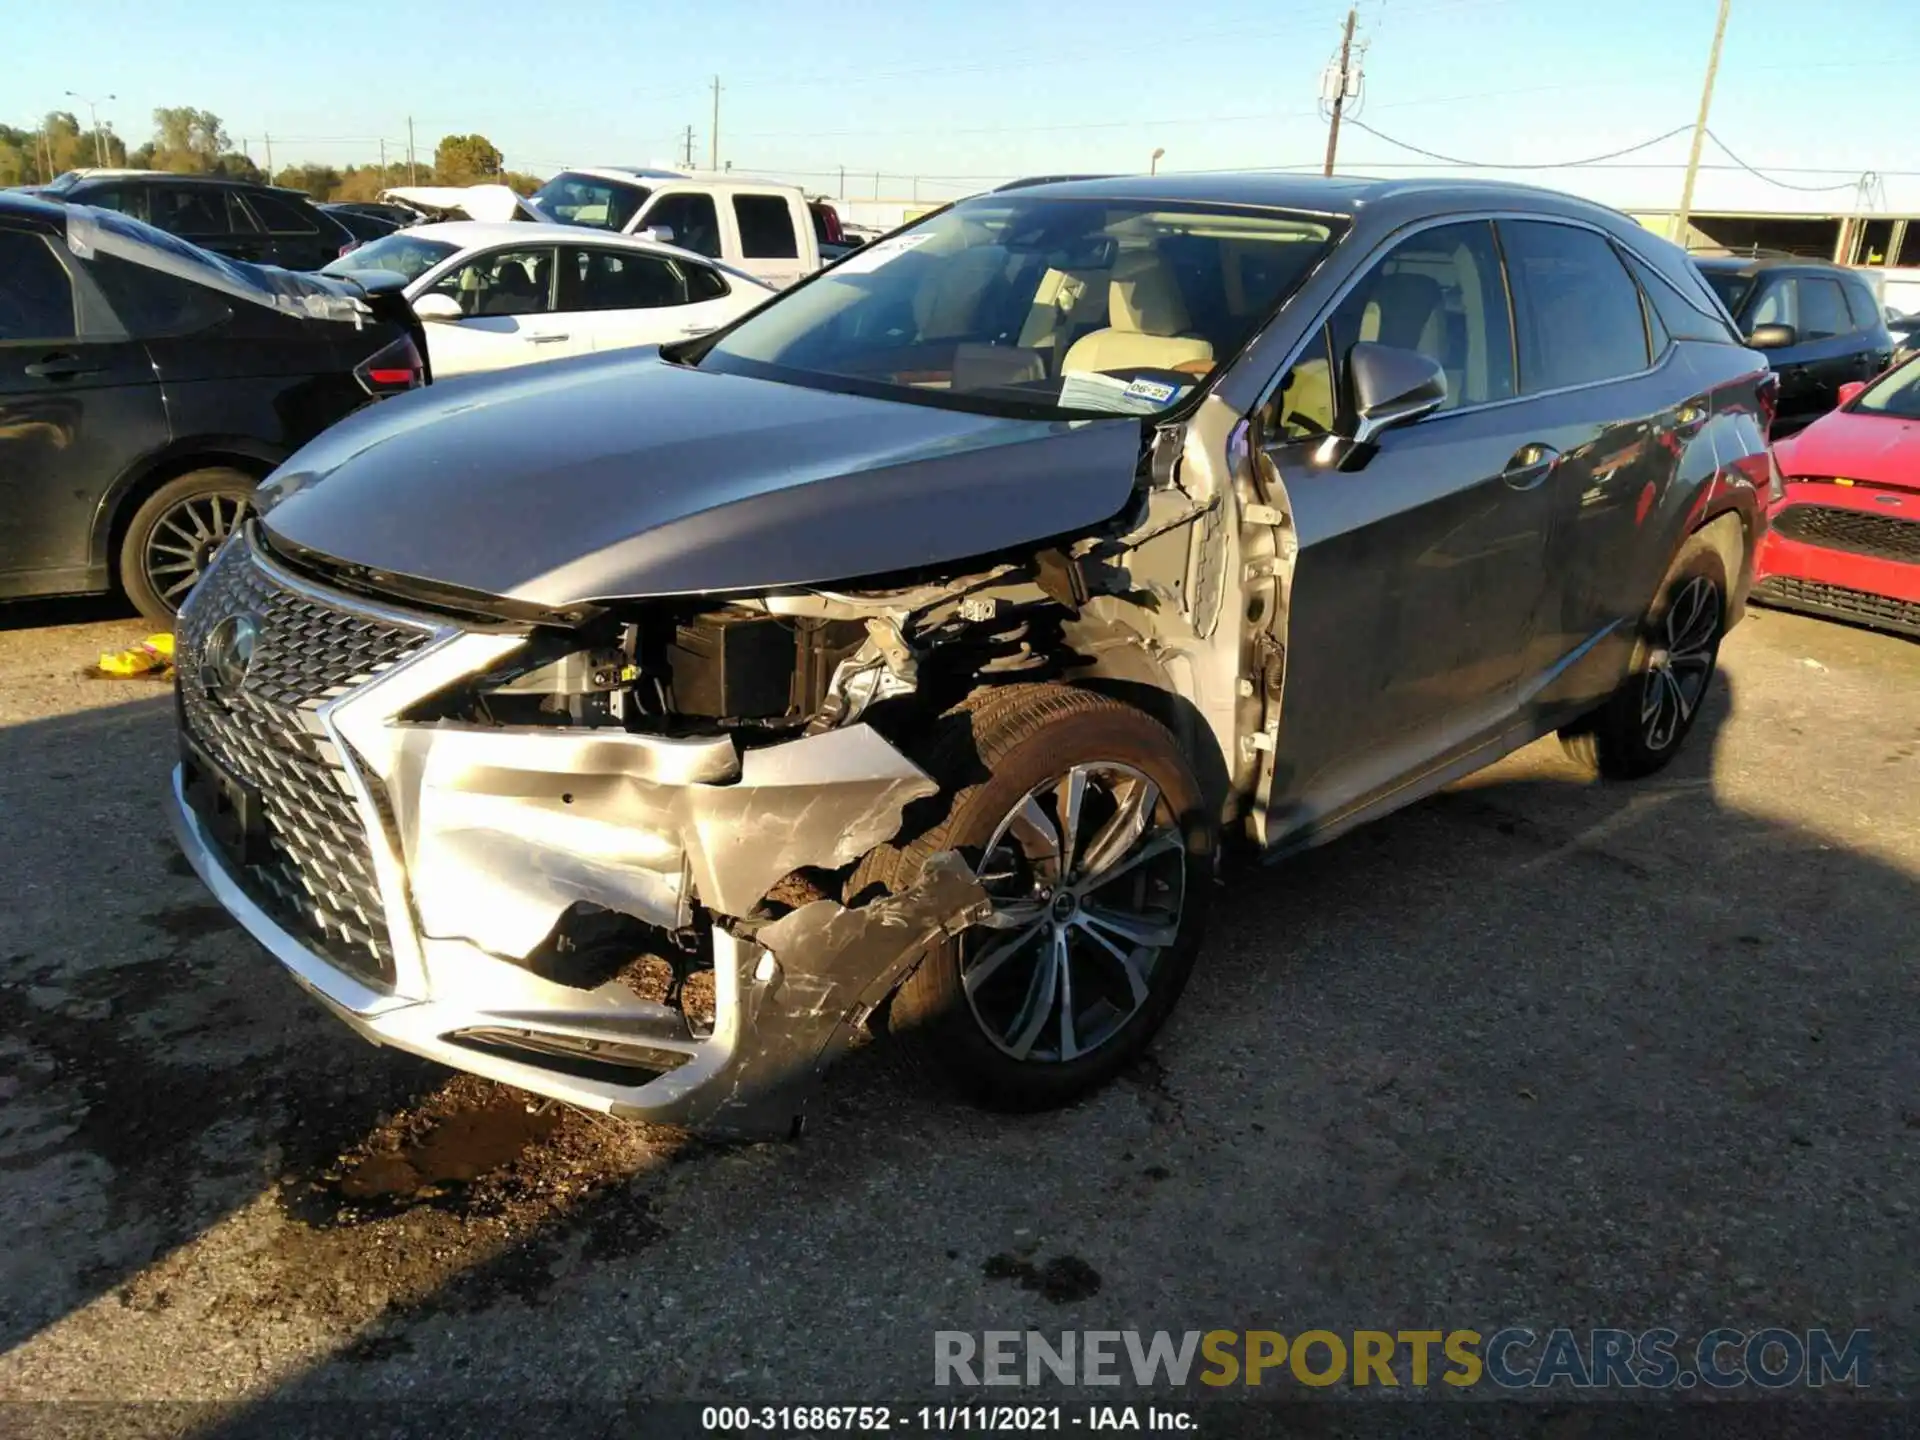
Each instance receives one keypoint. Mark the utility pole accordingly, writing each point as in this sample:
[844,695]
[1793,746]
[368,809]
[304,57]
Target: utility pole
[93,123]
[689,147]
[383,162]
[1680,221]
[843,182]
[269,142]
[413,170]
[713,162]
[1341,82]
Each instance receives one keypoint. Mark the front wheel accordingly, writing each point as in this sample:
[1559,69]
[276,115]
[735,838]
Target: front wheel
[174,535]
[1642,726]
[1086,828]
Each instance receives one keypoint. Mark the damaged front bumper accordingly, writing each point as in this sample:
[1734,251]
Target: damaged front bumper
[414,877]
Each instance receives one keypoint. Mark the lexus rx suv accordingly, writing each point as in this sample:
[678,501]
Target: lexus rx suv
[635,728]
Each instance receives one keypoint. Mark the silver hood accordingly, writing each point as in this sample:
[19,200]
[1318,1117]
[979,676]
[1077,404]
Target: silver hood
[622,475]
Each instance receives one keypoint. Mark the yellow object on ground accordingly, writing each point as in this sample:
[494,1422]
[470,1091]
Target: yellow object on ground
[152,657]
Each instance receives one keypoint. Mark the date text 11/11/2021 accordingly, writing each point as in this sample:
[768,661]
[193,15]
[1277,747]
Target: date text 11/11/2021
[941,1419]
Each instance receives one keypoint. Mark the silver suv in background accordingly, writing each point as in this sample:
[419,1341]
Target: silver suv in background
[635,728]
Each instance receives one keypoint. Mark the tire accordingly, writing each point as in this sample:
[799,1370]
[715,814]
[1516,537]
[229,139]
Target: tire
[993,1027]
[173,536]
[1647,719]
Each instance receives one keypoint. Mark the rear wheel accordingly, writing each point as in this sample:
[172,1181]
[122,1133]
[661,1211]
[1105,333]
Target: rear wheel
[1085,826]
[1642,726]
[173,536]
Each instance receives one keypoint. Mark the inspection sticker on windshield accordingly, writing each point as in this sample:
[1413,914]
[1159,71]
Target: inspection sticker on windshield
[872,257]
[1154,390]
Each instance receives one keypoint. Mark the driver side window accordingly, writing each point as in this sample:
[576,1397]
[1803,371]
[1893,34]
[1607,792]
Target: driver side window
[1442,293]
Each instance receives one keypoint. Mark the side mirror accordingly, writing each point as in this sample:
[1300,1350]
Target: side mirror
[1851,391]
[660,234]
[438,307]
[1772,337]
[1391,387]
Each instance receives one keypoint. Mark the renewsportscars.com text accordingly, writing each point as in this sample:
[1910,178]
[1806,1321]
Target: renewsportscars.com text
[1515,1358]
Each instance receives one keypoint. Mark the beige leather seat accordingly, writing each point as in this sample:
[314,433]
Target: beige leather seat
[1145,316]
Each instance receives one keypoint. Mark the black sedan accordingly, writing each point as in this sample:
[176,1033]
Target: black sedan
[147,385]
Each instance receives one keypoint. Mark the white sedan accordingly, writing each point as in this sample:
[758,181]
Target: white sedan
[508,294]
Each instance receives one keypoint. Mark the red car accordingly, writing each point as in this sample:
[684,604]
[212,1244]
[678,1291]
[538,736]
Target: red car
[1845,540]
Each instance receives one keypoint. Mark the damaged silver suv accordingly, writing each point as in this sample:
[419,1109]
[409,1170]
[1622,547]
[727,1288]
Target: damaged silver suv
[636,728]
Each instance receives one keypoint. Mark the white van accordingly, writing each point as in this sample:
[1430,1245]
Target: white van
[758,226]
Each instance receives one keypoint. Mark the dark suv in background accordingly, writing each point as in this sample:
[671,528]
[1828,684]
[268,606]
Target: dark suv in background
[263,224]
[1819,324]
[145,387]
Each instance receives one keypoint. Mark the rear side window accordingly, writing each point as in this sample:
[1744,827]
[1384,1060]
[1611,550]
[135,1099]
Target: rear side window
[1866,310]
[36,296]
[693,220]
[1676,313]
[281,217]
[766,227]
[152,304]
[1823,310]
[190,210]
[618,280]
[1578,310]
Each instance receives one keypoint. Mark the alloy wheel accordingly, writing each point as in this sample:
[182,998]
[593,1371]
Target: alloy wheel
[185,539]
[1679,669]
[1087,880]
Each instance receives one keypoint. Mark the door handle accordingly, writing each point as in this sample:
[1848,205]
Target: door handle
[542,339]
[1530,465]
[61,367]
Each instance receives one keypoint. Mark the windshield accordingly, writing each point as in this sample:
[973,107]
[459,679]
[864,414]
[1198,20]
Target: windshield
[575,199]
[403,254]
[1029,305]
[1896,393]
[1730,286]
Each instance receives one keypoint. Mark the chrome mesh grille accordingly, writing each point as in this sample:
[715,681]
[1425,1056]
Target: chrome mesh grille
[316,875]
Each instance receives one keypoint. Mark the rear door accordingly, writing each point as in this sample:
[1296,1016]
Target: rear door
[211,218]
[768,224]
[1419,575]
[1615,404]
[507,298]
[612,297]
[302,238]
[79,404]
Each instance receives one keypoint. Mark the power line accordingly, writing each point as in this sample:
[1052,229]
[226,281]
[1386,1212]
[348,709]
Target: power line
[1783,184]
[1518,165]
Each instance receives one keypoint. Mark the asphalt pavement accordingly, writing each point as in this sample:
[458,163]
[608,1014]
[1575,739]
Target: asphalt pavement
[1538,1051]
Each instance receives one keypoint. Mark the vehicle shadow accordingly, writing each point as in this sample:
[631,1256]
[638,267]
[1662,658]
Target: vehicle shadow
[1538,1050]
[66,610]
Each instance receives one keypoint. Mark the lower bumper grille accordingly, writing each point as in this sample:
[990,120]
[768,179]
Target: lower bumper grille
[313,868]
[1885,537]
[1840,602]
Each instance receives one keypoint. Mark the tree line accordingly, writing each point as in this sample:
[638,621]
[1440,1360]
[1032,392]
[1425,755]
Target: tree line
[187,141]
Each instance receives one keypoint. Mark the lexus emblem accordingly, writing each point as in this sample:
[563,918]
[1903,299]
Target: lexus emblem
[228,655]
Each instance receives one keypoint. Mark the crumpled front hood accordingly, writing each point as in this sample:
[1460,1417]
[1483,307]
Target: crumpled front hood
[1878,449]
[621,475]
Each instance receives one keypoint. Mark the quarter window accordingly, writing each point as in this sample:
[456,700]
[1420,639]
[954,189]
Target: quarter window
[1440,293]
[693,220]
[36,296]
[191,210]
[1679,316]
[766,227]
[1577,309]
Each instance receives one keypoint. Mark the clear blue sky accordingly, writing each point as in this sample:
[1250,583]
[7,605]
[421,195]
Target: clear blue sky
[953,91]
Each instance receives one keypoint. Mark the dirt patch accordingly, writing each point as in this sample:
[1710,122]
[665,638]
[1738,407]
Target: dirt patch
[454,1149]
[189,922]
[1062,1280]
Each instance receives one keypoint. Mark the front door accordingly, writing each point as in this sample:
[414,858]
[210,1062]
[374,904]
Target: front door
[77,407]
[506,298]
[1419,575]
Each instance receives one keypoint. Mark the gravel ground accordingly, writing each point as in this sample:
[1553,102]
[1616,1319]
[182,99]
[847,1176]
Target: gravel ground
[1537,1051]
